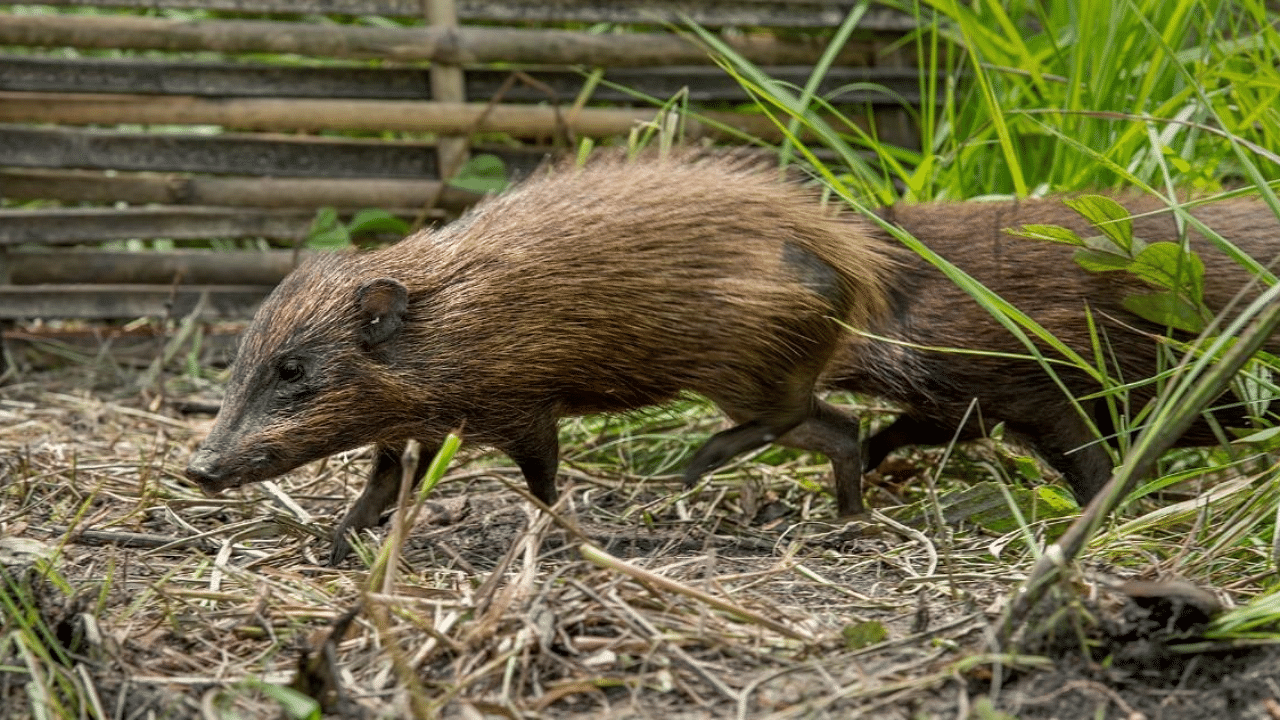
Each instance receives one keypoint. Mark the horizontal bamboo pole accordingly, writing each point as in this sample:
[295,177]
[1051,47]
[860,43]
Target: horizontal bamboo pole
[270,114]
[101,302]
[218,78]
[190,267]
[70,226]
[458,46]
[292,155]
[176,189]
[717,13]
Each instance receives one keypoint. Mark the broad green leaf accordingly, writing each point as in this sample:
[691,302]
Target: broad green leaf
[986,505]
[333,238]
[373,220]
[1108,215]
[326,232]
[1040,503]
[1167,265]
[326,217]
[1167,308]
[1102,243]
[997,432]
[482,173]
[1100,261]
[1028,467]
[1052,233]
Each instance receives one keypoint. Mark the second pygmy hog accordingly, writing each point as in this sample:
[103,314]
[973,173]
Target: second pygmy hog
[926,309]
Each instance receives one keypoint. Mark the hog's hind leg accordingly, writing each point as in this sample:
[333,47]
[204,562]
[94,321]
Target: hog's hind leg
[909,430]
[1072,448]
[763,416]
[835,434]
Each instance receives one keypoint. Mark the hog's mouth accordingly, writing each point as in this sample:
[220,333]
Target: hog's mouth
[213,486]
[213,474]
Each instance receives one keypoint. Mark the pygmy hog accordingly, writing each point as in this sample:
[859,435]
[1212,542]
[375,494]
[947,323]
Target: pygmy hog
[604,288]
[926,309]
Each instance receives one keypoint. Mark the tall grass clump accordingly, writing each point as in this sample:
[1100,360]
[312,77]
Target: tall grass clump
[1018,98]
[1027,98]
[1100,94]
[1178,99]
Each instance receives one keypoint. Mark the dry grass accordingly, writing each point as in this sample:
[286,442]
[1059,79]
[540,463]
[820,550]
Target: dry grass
[632,599]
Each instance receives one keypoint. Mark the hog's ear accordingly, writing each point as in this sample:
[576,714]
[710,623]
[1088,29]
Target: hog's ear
[381,305]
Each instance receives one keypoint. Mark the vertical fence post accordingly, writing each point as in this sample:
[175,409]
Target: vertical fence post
[447,85]
[6,278]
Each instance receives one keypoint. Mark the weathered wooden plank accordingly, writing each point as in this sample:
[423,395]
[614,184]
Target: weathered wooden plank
[173,189]
[66,226]
[313,114]
[210,79]
[190,267]
[457,46]
[105,302]
[233,154]
[221,79]
[716,13]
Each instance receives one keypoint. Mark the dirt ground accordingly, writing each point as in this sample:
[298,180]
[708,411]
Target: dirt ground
[743,600]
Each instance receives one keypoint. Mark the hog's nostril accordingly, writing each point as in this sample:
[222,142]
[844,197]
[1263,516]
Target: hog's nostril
[200,473]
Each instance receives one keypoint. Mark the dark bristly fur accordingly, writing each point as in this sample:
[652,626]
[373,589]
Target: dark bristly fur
[584,290]
[1039,278]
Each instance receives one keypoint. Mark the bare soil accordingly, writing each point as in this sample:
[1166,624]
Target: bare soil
[635,599]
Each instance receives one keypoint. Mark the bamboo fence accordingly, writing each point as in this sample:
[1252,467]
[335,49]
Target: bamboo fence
[136,122]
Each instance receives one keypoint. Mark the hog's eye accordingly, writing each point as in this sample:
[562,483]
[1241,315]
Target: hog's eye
[291,371]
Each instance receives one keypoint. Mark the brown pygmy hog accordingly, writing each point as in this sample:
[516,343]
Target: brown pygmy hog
[1040,278]
[604,288]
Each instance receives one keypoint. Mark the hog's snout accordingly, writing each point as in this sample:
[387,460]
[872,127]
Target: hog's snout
[206,471]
